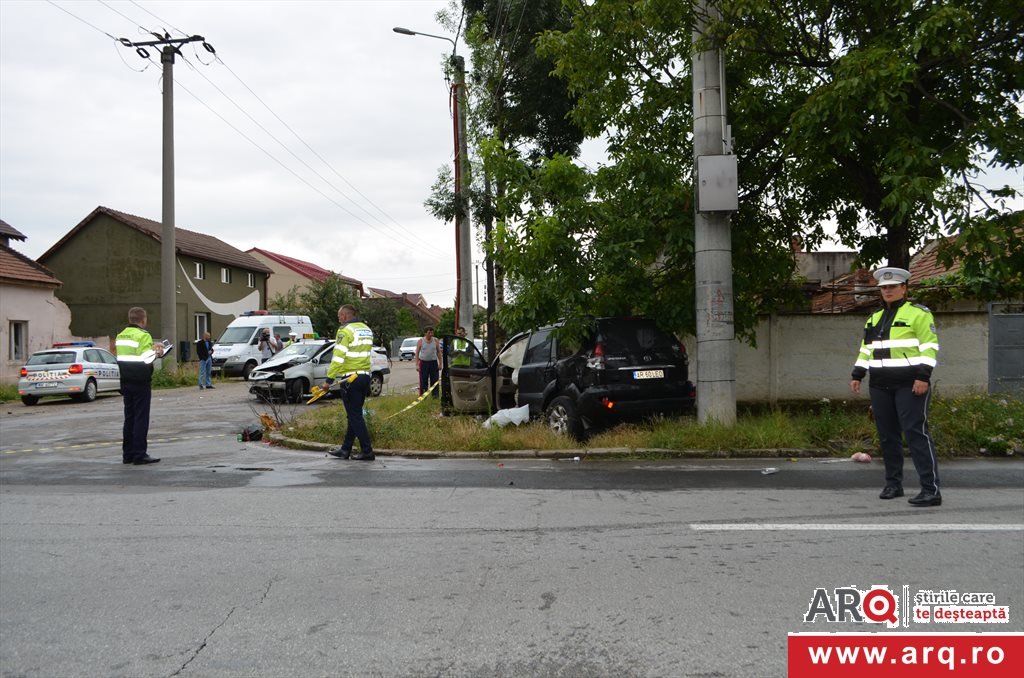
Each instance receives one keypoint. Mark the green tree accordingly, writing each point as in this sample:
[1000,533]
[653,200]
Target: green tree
[383,317]
[290,301]
[877,117]
[892,110]
[446,325]
[407,326]
[321,301]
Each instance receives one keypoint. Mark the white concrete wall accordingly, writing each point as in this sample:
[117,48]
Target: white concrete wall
[811,356]
[49,321]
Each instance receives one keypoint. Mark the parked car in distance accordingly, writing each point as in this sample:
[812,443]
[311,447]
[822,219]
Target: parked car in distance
[624,369]
[78,369]
[408,349]
[294,371]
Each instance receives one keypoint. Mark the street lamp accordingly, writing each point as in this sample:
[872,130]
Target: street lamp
[463,275]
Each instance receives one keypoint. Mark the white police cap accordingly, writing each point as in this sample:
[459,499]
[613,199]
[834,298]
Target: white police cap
[890,275]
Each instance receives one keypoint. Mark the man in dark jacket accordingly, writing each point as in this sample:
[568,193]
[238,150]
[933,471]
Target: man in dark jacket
[204,351]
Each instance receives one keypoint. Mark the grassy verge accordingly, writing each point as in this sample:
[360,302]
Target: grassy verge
[187,375]
[966,426]
[8,392]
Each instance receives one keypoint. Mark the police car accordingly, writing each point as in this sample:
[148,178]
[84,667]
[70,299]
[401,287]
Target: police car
[300,366]
[78,369]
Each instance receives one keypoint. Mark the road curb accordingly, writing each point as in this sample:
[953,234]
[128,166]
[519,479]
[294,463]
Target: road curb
[582,453]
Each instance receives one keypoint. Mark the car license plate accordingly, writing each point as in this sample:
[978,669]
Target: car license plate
[649,374]
[47,384]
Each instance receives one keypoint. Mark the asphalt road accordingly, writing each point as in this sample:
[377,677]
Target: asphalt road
[241,559]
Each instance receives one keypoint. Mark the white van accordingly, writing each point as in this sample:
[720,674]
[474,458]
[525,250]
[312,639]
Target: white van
[236,352]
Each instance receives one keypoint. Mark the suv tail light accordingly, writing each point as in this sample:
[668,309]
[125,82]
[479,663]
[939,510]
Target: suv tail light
[596,359]
[75,369]
[24,372]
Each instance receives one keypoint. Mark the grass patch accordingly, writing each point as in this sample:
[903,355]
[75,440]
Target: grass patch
[422,428]
[966,426]
[978,424]
[8,392]
[186,375]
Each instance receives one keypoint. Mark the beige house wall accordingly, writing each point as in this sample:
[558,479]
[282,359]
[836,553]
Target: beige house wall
[48,318]
[808,357]
[283,279]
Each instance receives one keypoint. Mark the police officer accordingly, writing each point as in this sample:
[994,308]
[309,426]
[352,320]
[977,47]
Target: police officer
[352,348]
[461,357]
[899,350]
[135,355]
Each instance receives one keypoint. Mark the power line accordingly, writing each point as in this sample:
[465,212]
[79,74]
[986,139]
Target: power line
[318,156]
[218,59]
[82,20]
[123,15]
[395,233]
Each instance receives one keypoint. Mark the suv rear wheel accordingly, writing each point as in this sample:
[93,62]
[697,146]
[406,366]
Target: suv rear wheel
[562,417]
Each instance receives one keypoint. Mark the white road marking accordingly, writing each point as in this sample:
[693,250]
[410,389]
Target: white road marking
[855,527]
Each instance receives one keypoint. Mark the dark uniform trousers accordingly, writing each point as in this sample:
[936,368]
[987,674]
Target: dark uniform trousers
[354,396]
[898,410]
[136,396]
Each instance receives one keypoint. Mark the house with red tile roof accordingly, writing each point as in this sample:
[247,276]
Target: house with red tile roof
[425,315]
[32,317]
[857,291]
[291,273]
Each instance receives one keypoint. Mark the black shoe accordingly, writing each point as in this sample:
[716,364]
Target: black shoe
[145,460]
[340,453]
[125,461]
[364,456]
[926,499]
[891,492]
[209,387]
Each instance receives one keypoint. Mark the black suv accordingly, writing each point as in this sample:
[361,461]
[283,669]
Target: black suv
[626,368]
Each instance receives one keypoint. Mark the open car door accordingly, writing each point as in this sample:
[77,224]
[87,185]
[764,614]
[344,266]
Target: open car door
[467,381]
[474,388]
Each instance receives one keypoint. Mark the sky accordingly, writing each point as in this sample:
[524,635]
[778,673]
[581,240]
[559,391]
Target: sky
[81,126]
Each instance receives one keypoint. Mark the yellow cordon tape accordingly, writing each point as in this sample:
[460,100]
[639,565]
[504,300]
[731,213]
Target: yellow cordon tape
[415,402]
[320,391]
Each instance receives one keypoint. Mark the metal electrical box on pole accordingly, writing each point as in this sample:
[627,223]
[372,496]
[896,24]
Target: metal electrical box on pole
[716,198]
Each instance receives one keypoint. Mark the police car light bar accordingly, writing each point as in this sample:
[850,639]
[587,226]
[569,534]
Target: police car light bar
[64,344]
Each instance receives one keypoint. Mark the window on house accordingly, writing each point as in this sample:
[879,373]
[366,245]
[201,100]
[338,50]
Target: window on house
[225,275]
[202,324]
[250,280]
[200,271]
[18,333]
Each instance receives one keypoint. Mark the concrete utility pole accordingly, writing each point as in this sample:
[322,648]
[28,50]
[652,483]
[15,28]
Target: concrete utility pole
[168,245]
[464,293]
[716,198]
[463,236]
